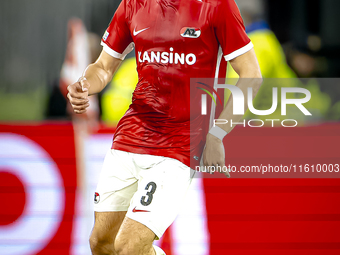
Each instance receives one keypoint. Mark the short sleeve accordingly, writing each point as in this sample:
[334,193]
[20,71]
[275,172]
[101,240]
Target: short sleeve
[230,30]
[117,40]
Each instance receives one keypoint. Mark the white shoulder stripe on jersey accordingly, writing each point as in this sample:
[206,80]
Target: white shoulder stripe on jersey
[239,52]
[115,54]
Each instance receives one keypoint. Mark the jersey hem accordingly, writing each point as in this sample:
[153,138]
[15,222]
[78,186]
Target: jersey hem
[239,52]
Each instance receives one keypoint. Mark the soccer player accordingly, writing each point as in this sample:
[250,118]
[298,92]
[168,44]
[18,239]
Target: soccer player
[146,173]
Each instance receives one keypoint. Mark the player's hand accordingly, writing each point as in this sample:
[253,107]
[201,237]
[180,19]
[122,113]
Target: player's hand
[78,94]
[214,155]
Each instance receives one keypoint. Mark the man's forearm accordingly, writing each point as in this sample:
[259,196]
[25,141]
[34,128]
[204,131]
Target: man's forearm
[101,72]
[227,113]
[97,77]
[247,67]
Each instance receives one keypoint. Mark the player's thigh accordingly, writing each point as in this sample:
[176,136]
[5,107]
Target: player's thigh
[106,227]
[114,191]
[134,238]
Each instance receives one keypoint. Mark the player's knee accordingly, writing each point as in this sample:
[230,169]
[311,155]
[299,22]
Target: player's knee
[123,248]
[128,247]
[93,242]
[100,245]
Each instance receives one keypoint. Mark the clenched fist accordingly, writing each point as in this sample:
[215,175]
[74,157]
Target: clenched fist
[78,94]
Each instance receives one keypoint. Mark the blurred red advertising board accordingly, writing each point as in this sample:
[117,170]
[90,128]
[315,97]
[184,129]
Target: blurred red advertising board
[38,183]
[266,215]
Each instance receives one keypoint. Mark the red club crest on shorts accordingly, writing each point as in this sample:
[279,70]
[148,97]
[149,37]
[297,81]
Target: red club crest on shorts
[96,197]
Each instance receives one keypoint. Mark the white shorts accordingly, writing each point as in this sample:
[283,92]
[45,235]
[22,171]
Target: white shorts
[150,188]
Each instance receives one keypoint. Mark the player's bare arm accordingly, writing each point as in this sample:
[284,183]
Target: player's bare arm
[95,78]
[246,66]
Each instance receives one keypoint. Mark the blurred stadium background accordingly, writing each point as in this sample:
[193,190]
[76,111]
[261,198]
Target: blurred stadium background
[34,39]
[50,159]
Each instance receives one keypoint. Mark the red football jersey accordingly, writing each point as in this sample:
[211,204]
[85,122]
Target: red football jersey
[174,40]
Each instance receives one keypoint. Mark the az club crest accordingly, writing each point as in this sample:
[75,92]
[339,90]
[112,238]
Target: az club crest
[190,32]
